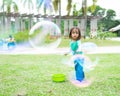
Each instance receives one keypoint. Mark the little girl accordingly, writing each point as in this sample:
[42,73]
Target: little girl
[75,36]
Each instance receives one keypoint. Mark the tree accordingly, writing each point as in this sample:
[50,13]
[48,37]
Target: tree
[110,14]
[47,5]
[9,4]
[108,20]
[57,5]
[69,6]
[97,12]
[84,7]
[84,11]
[28,3]
[75,12]
[93,6]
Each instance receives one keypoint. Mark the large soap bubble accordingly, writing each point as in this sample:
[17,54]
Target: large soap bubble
[88,46]
[85,61]
[45,34]
[87,64]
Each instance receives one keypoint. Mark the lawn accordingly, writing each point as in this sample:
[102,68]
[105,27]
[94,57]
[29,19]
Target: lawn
[98,42]
[31,75]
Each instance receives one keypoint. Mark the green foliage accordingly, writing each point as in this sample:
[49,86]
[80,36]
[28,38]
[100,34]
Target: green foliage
[104,35]
[69,7]
[62,26]
[93,7]
[55,5]
[96,10]
[110,14]
[49,39]
[26,24]
[36,32]
[108,21]
[118,33]
[15,7]
[64,42]
[75,12]
[21,36]
[75,22]
[8,4]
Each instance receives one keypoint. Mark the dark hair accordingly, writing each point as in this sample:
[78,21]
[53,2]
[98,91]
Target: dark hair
[79,37]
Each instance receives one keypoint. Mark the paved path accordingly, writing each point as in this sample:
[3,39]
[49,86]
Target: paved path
[110,49]
[27,50]
[98,50]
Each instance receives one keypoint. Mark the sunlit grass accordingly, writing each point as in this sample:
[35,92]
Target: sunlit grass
[31,75]
[65,42]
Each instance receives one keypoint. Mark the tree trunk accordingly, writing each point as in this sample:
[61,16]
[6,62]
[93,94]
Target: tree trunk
[59,14]
[84,9]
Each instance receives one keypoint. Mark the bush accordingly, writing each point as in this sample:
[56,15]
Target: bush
[21,36]
[104,35]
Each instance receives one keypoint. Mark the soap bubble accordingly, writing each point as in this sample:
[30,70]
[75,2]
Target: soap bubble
[85,61]
[88,65]
[88,46]
[45,34]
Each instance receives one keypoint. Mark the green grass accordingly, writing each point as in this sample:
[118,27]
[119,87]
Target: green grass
[65,42]
[103,42]
[31,75]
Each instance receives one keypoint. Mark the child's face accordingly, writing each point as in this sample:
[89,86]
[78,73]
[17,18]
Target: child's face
[74,34]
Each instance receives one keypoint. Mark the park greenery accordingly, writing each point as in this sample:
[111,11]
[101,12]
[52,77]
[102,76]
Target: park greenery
[103,32]
[31,75]
[98,42]
[107,16]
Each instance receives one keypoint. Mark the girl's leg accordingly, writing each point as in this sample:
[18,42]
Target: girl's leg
[79,70]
